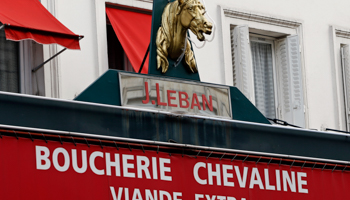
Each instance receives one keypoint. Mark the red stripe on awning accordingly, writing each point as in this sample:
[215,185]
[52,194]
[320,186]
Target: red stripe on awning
[29,19]
[134,33]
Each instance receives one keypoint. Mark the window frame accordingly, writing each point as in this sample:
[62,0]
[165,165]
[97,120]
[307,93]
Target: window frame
[276,87]
[340,37]
[262,25]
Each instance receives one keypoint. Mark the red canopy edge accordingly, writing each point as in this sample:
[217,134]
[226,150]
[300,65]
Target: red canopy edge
[133,30]
[29,19]
[17,33]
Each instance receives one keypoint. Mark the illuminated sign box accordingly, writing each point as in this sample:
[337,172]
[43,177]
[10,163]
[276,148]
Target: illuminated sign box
[176,96]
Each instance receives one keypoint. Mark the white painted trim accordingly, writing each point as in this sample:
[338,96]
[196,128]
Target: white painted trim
[266,23]
[52,69]
[339,36]
[344,33]
[266,19]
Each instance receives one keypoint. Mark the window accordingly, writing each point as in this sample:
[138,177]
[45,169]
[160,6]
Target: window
[128,36]
[16,61]
[267,70]
[9,65]
[345,61]
[117,59]
[341,42]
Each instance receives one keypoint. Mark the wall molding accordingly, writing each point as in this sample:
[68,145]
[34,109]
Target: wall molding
[261,18]
[148,1]
[343,33]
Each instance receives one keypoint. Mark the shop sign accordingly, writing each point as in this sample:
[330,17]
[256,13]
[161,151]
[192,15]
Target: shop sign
[177,96]
[40,170]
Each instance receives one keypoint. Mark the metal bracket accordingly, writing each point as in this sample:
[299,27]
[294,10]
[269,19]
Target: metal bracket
[303,165]
[245,158]
[116,145]
[30,136]
[144,149]
[234,157]
[334,167]
[269,162]
[101,144]
[209,154]
[129,146]
[344,168]
[44,137]
[60,139]
[16,134]
[222,156]
[87,142]
[73,141]
[198,153]
[258,160]
[292,164]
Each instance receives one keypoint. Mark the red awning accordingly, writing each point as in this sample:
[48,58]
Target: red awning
[29,19]
[134,33]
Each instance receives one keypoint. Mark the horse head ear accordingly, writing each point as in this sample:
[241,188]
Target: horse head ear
[181,1]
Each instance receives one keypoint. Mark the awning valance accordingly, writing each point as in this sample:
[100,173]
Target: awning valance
[134,33]
[29,19]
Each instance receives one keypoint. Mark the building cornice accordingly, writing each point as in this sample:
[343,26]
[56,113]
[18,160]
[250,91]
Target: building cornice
[342,33]
[261,18]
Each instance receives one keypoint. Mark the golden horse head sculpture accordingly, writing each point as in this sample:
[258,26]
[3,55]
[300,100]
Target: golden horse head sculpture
[177,18]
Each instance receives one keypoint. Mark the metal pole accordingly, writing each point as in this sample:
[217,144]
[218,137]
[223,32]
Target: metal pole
[144,58]
[42,64]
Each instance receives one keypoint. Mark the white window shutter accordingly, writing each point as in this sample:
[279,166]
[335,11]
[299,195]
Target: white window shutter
[242,62]
[346,80]
[290,77]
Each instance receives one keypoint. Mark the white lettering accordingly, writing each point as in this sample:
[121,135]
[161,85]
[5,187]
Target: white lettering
[162,193]
[291,182]
[149,195]
[198,196]
[208,197]
[176,195]
[127,166]
[212,173]
[137,194]
[154,168]
[126,192]
[242,180]
[221,197]
[40,158]
[92,162]
[278,180]
[195,173]
[227,175]
[142,167]
[255,179]
[301,182]
[83,167]
[119,193]
[267,180]
[110,164]
[164,169]
[65,154]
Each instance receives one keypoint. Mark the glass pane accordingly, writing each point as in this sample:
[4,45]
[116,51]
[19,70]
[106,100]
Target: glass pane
[9,64]
[263,78]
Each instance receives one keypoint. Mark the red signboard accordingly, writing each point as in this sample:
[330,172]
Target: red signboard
[40,170]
